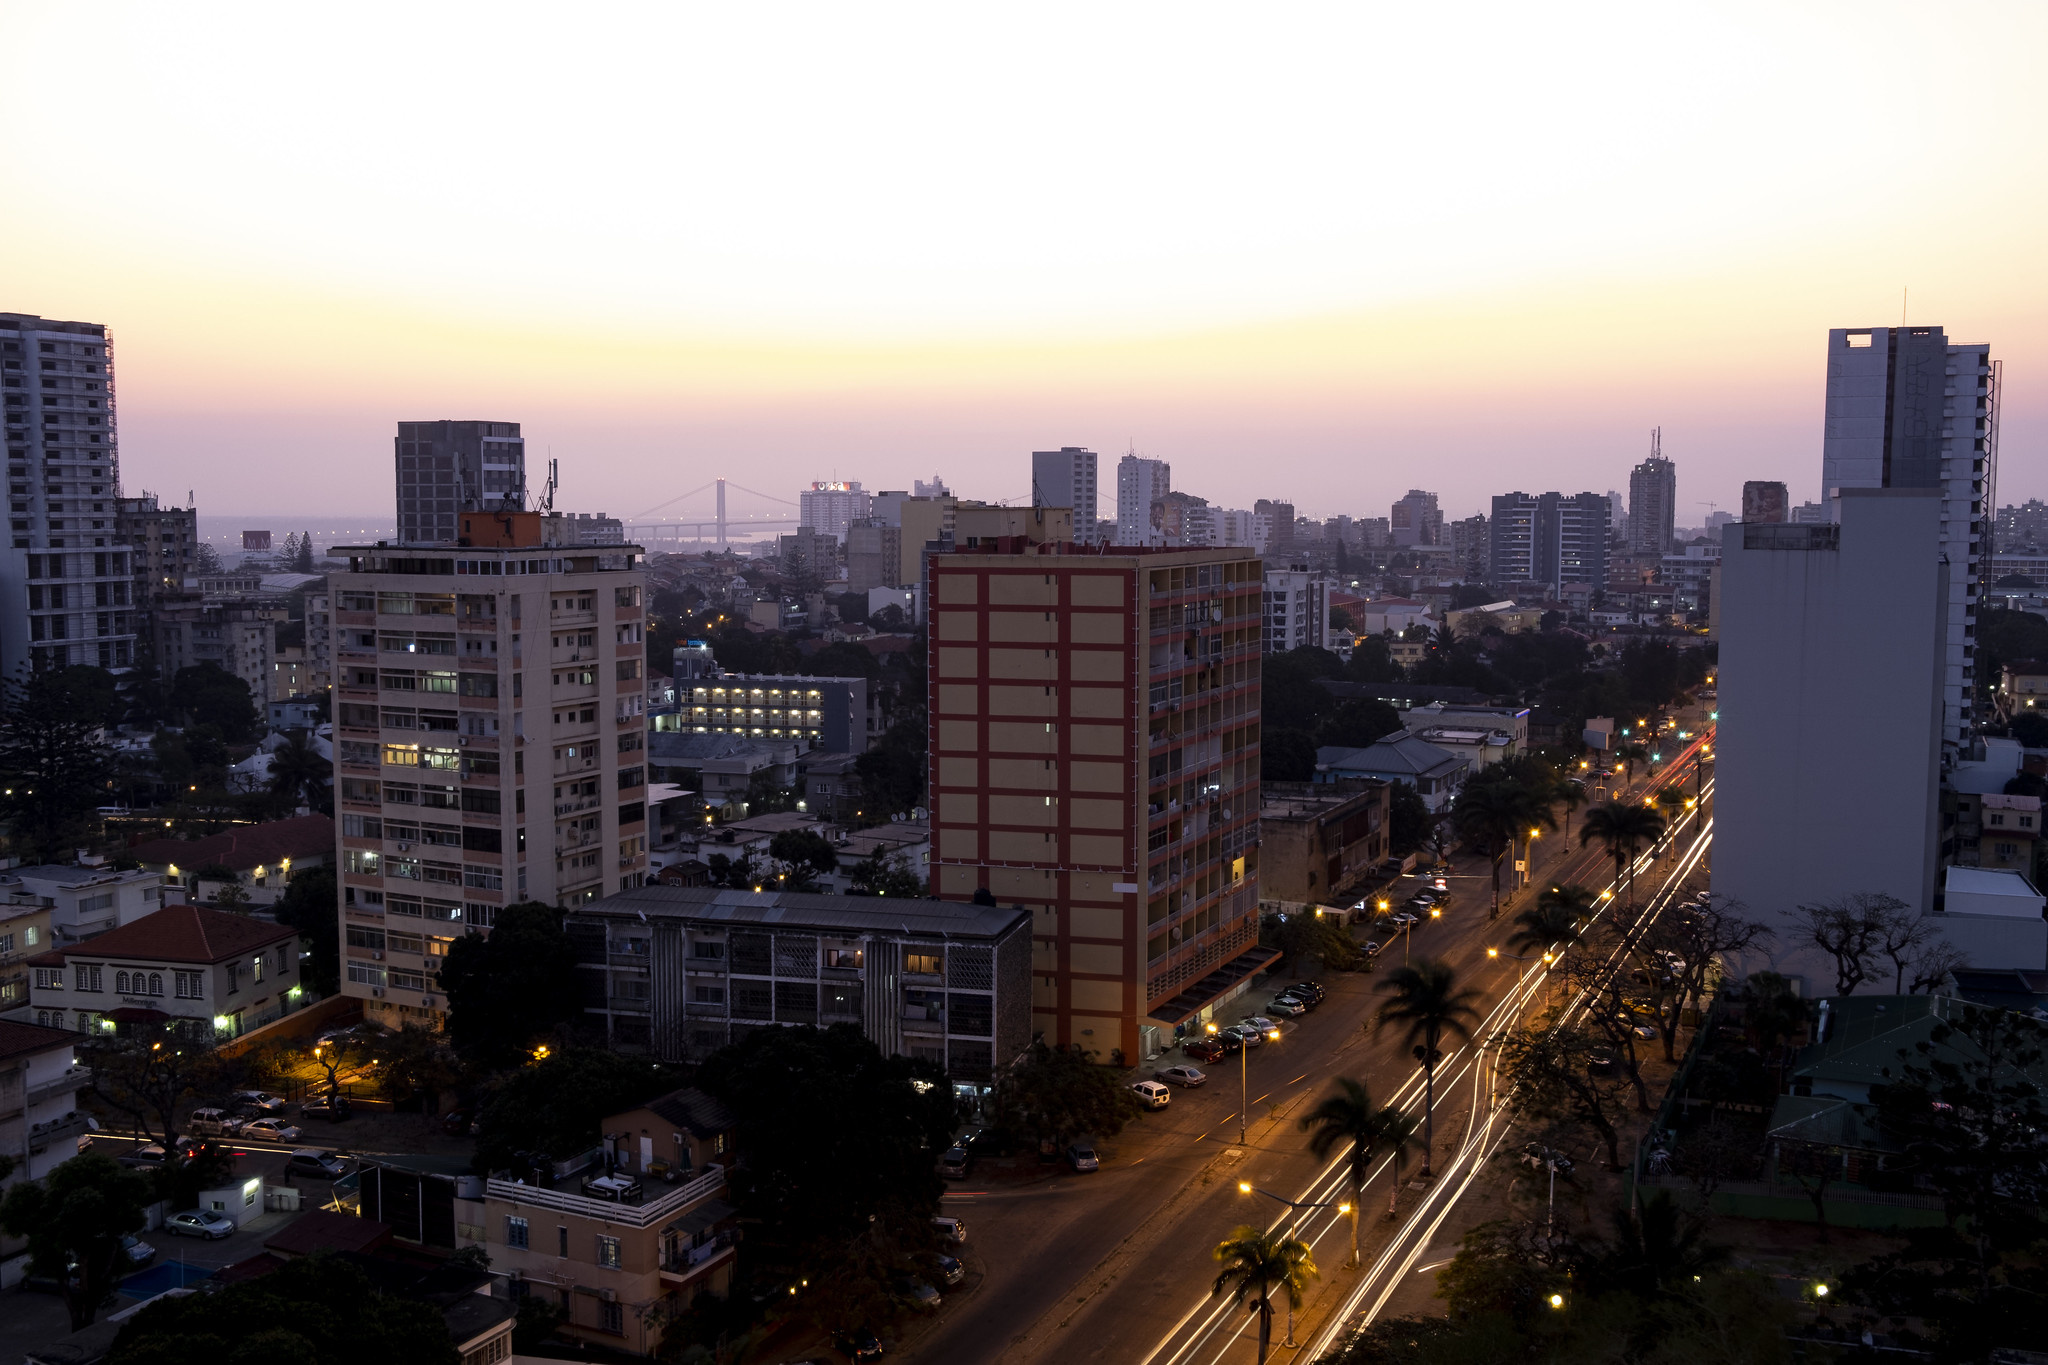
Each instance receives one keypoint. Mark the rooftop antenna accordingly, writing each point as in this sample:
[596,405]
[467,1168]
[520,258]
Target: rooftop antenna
[547,495]
[1656,443]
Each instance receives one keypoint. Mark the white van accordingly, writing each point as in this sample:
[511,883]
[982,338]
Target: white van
[1152,1094]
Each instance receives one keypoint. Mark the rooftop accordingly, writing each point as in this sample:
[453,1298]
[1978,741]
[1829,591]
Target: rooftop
[1990,881]
[680,746]
[1401,752]
[245,847]
[860,914]
[179,933]
[23,1040]
[66,874]
[692,1109]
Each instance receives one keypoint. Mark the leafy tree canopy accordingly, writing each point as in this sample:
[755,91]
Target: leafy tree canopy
[843,659]
[804,849]
[207,694]
[74,1219]
[555,1105]
[311,905]
[508,989]
[1057,1094]
[54,771]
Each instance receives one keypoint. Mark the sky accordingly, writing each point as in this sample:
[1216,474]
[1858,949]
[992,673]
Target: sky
[1314,253]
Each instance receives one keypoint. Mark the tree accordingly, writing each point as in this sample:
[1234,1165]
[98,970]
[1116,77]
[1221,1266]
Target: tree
[1408,820]
[892,773]
[205,558]
[741,873]
[317,1310]
[1348,1116]
[1622,829]
[2030,728]
[1556,917]
[1571,795]
[417,1063]
[299,774]
[1850,929]
[1431,1004]
[1287,755]
[552,1107]
[207,694]
[1255,1264]
[1308,936]
[92,694]
[1686,946]
[148,1071]
[302,558]
[1656,1249]
[508,989]
[1549,1070]
[1057,1093]
[883,874]
[54,767]
[1494,814]
[350,1050]
[311,904]
[802,850]
[74,1220]
[856,1192]
[1360,722]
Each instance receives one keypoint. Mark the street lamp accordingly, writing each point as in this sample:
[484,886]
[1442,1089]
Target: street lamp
[1294,1207]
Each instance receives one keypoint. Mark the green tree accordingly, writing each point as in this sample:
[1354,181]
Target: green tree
[1557,917]
[350,1050]
[508,989]
[416,1063]
[1494,814]
[311,904]
[1408,820]
[54,767]
[1308,936]
[74,1219]
[1287,755]
[1358,723]
[555,1105]
[299,775]
[892,773]
[148,1071]
[1622,829]
[1255,1265]
[1430,1004]
[1056,1094]
[1551,1073]
[302,557]
[882,874]
[207,694]
[844,659]
[93,694]
[804,850]
[741,873]
[1348,1116]
[318,1310]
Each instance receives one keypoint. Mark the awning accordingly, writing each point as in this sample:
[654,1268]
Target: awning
[703,1218]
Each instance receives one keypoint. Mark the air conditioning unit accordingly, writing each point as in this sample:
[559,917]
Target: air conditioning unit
[377,992]
[376,955]
[426,1000]
[608,1295]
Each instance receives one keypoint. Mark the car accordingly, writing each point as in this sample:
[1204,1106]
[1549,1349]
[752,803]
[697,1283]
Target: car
[136,1251]
[951,1271]
[859,1346]
[1081,1156]
[213,1123]
[1371,947]
[1647,1032]
[311,1161]
[336,1109]
[270,1130]
[1186,1077]
[1310,991]
[199,1223]
[957,1161]
[259,1101]
[1286,1005]
[916,1293]
[1401,919]
[1600,1064]
[1246,1035]
[1203,1048]
[460,1123]
[149,1156]
[951,1230]
[1151,1094]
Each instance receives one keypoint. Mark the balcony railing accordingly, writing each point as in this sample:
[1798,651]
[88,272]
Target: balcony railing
[646,1213]
[71,1079]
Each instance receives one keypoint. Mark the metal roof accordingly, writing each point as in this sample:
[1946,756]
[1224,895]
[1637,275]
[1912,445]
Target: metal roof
[862,914]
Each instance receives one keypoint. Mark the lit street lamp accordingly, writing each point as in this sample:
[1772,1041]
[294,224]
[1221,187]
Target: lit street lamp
[1295,1206]
[1244,1085]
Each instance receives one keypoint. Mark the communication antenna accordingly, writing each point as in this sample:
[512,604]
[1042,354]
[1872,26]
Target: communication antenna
[1656,443]
[547,494]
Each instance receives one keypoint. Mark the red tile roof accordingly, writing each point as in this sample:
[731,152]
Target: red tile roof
[180,933]
[18,1039]
[325,1230]
[264,845]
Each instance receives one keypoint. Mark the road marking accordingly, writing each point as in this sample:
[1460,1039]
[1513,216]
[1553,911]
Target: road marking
[1262,1099]
[1298,1079]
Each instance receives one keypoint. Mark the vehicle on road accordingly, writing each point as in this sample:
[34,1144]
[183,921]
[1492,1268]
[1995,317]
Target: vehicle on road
[1151,1094]
[270,1130]
[334,1109]
[956,1162]
[859,1346]
[1311,989]
[916,1293]
[1185,1076]
[137,1251]
[213,1123]
[1371,948]
[1286,1005]
[1401,919]
[951,1271]
[150,1156]
[460,1123]
[1203,1048]
[951,1230]
[258,1101]
[1081,1156]
[199,1223]
[311,1161]
[1246,1035]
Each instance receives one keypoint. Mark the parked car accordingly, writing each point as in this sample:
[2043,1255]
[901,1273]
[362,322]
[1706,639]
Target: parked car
[1401,919]
[860,1346]
[916,1293]
[951,1271]
[137,1251]
[311,1161]
[461,1123]
[1151,1094]
[1203,1048]
[1246,1035]
[1286,1005]
[259,1101]
[149,1156]
[213,1123]
[334,1109]
[199,1223]
[1228,1041]
[951,1230]
[1371,948]
[956,1162]
[1185,1076]
[270,1130]
[1081,1156]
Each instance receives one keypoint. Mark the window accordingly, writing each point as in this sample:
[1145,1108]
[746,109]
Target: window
[363,861]
[707,995]
[2008,850]
[256,968]
[86,978]
[49,978]
[515,1231]
[561,1241]
[366,974]
[710,950]
[608,1252]
[120,983]
[611,1318]
[186,985]
[843,957]
[156,982]
[923,964]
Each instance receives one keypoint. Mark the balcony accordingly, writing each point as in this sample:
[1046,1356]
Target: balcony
[686,1263]
[71,1079]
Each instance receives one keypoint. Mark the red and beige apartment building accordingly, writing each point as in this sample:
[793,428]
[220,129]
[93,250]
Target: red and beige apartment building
[489,728]
[1095,758]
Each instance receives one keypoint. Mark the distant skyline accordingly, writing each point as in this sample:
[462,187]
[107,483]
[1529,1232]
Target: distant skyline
[1319,255]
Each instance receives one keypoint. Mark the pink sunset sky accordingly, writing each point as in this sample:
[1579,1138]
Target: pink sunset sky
[1323,254]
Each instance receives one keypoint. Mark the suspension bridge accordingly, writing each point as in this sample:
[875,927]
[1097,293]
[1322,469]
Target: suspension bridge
[649,528]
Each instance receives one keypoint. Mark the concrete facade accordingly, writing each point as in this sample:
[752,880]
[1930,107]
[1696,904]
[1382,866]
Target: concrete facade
[1066,478]
[444,469]
[1830,684]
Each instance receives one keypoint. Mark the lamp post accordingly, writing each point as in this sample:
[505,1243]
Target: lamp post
[1295,1206]
[1244,1084]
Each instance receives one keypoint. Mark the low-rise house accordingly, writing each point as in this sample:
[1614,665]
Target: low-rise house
[905,843]
[40,1122]
[83,900]
[215,974]
[1317,838]
[2022,686]
[832,787]
[1434,772]
[261,859]
[623,1251]
[24,932]
[1993,917]
[1506,617]
[721,768]
[2010,828]
[682,971]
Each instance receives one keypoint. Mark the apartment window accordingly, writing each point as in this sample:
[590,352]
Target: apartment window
[608,1252]
[365,974]
[256,968]
[843,957]
[186,985]
[2008,850]
[611,1317]
[561,1241]
[49,978]
[710,950]
[515,1231]
[923,964]
[707,995]
[85,978]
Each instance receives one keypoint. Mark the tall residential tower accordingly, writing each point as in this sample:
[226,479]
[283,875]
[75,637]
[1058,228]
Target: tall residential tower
[1066,478]
[1652,502]
[447,468]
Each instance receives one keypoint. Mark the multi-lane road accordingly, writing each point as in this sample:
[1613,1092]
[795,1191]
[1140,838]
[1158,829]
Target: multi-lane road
[1115,1266]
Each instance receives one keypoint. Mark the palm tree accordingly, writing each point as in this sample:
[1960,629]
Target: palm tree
[1493,814]
[1348,1116]
[1553,918]
[1571,795]
[1428,999]
[1255,1263]
[297,771]
[1630,755]
[1623,829]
